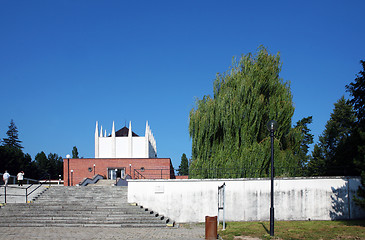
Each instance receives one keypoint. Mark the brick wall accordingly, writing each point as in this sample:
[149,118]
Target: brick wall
[149,168]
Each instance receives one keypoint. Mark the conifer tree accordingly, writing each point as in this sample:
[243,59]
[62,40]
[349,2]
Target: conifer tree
[12,140]
[307,139]
[75,153]
[357,91]
[334,153]
[184,166]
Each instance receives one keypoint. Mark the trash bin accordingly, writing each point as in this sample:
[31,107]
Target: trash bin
[211,227]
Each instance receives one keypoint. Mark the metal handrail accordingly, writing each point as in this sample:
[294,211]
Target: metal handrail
[138,174]
[26,190]
[153,173]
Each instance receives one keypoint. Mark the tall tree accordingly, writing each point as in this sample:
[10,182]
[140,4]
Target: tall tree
[334,152]
[357,91]
[306,139]
[75,153]
[56,165]
[228,130]
[51,166]
[184,166]
[12,140]
[317,163]
[44,166]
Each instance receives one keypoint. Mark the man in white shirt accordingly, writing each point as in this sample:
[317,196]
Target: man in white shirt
[20,178]
[6,176]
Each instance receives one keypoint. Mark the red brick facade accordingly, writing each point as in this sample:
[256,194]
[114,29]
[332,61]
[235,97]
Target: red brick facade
[75,170]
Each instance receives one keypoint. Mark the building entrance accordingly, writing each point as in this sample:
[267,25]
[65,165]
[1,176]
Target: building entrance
[114,173]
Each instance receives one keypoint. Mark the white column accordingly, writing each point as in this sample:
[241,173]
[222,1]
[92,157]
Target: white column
[147,147]
[96,140]
[114,154]
[130,141]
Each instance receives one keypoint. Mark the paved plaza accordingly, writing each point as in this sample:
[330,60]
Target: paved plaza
[190,232]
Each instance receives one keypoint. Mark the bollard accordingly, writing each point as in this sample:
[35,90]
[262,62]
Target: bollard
[210,227]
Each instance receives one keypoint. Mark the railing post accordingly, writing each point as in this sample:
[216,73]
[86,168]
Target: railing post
[218,206]
[224,209]
[26,195]
[5,194]
[221,203]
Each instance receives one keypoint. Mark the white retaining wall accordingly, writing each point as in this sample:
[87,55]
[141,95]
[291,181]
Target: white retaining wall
[191,200]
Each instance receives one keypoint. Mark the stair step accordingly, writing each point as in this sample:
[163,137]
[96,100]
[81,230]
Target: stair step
[127,225]
[90,206]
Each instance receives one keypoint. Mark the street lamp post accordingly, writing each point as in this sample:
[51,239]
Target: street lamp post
[130,169]
[272,126]
[72,171]
[68,169]
[116,181]
[94,169]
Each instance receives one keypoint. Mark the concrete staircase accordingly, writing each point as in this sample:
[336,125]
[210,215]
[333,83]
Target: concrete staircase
[90,206]
[104,182]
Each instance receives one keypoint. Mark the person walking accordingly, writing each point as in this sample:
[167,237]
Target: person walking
[6,176]
[20,178]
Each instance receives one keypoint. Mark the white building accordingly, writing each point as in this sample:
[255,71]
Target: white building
[124,143]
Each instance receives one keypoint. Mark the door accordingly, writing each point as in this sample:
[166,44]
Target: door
[112,174]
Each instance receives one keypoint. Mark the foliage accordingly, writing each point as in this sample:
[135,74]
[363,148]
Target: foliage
[75,153]
[359,199]
[13,139]
[331,155]
[51,166]
[325,230]
[184,166]
[229,130]
[357,91]
[14,160]
[307,139]
[56,163]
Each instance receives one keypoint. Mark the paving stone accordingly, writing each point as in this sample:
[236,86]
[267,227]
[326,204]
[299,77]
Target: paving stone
[81,233]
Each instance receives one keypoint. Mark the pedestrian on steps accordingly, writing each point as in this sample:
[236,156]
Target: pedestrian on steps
[6,176]
[20,178]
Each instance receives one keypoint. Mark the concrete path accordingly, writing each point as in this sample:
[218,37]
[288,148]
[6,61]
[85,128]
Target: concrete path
[190,232]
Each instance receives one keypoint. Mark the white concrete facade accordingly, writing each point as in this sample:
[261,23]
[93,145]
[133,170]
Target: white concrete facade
[129,146]
[249,199]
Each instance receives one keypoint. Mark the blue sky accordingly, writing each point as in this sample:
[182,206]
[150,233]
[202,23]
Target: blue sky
[66,64]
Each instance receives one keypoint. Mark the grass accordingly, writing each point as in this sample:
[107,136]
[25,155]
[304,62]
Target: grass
[354,229]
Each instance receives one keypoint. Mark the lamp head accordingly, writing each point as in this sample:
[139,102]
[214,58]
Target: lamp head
[272,125]
[68,156]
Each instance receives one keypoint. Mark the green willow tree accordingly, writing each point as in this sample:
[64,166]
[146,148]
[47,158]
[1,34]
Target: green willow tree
[228,130]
